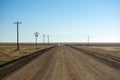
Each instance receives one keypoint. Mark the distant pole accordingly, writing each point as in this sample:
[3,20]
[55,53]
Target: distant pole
[48,39]
[88,40]
[43,39]
[36,35]
[17,33]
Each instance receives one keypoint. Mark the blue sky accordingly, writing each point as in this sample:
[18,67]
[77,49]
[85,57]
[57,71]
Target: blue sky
[63,20]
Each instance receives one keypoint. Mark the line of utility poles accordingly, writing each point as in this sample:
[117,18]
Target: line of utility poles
[17,33]
[36,35]
[44,39]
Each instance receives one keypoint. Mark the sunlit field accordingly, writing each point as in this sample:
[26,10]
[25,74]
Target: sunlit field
[112,52]
[8,52]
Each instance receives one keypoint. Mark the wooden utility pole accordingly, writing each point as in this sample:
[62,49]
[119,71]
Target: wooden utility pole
[17,33]
[36,35]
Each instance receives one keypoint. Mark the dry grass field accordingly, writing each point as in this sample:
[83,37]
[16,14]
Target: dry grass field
[8,52]
[112,52]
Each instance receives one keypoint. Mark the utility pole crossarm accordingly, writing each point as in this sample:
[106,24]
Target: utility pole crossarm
[36,34]
[17,22]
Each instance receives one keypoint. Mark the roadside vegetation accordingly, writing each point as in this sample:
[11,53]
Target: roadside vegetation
[8,53]
[112,52]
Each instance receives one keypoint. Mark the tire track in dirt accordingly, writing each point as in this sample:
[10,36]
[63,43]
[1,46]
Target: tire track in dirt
[46,67]
[58,69]
[94,69]
[13,65]
[106,60]
[28,71]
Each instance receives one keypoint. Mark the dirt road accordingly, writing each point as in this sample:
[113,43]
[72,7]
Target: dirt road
[64,63]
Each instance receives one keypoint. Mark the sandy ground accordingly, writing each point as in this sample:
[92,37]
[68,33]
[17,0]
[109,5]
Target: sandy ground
[64,63]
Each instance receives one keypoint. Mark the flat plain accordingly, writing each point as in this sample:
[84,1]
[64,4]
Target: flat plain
[71,63]
[8,51]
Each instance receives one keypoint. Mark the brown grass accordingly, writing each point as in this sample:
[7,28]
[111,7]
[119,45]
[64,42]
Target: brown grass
[8,53]
[112,52]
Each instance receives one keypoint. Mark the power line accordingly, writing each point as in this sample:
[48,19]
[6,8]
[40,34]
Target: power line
[17,33]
